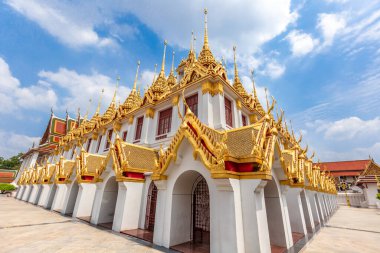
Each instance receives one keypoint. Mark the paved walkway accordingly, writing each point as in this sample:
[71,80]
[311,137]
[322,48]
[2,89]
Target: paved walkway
[27,228]
[349,230]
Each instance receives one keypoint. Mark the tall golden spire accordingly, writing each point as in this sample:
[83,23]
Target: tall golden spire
[172,69]
[163,60]
[192,42]
[172,79]
[236,80]
[99,103]
[205,42]
[117,87]
[137,74]
[253,84]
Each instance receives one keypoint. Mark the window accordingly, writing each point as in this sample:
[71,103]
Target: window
[244,120]
[99,141]
[124,136]
[108,141]
[192,102]
[228,110]
[88,145]
[139,125]
[164,123]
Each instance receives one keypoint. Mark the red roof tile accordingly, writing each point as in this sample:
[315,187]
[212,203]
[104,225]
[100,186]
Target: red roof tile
[357,165]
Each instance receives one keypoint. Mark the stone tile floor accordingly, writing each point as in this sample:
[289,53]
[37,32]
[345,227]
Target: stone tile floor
[27,228]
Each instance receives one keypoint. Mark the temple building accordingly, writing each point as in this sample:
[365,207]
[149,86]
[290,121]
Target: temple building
[194,163]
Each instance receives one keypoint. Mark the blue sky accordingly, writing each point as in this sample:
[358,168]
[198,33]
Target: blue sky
[319,59]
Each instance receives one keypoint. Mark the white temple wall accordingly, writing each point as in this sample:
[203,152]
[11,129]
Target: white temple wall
[70,198]
[108,201]
[51,196]
[144,199]
[59,197]
[296,212]
[85,200]
[33,193]
[314,208]
[370,194]
[308,214]
[205,109]
[20,191]
[322,215]
[26,195]
[218,112]
[173,211]
[44,194]
[128,206]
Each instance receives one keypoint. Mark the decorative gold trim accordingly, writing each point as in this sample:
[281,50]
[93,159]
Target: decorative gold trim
[212,88]
[175,100]
[149,112]
[238,104]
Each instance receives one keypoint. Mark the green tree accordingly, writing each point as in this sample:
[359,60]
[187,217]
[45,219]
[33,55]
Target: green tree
[12,163]
[6,188]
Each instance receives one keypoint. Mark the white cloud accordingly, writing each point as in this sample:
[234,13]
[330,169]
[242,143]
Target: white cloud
[301,43]
[14,97]
[58,20]
[80,88]
[330,24]
[11,144]
[274,70]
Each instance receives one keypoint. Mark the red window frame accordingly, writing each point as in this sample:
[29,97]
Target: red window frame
[99,142]
[164,123]
[192,102]
[108,141]
[88,145]
[244,120]
[124,135]
[139,125]
[228,111]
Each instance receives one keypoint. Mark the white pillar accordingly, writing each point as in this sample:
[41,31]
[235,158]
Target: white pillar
[59,197]
[218,111]
[322,215]
[128,204]
[44,197]
[205,114]
[161,234]
[85,200]
[296,214]
[285,216]
[308,213]
[20,191]
[97,202]
[314,208]
[35,194]
[250,214]
[27,191]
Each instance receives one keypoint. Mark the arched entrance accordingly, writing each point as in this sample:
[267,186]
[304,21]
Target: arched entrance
[150,213]
[72,197]
[51,196]
[190,229]
[273,208]
[108,204]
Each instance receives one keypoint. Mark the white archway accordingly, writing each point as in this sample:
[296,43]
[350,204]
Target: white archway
[71,198]
[108,203]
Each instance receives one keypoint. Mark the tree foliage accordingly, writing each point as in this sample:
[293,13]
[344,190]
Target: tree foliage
[12,163]
[6,188]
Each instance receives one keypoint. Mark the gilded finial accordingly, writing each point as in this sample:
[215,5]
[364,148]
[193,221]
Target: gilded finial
[155,72]
[205,43]
[253,83]
[192,42]
[266,98]
[99,103]
[163,59]
[194,46]
[137,74]
[51,110]
[235,65]
[172,69]
[115,92]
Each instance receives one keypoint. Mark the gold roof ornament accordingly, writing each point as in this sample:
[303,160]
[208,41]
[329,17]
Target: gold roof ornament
[134,100]
[172,80]
[205,56]
[110,113]
[237,83]
[160,87]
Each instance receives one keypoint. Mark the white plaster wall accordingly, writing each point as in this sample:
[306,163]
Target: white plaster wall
[27,191]
[306,207]
[19,191]
[51,196]
[85,200]
[108,202]
[44,194]
[33,193]
[59,197]
[296,213]
[314,208]
[70,198]
[370,193]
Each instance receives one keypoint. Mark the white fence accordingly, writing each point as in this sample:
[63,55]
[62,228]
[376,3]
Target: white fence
[356,199]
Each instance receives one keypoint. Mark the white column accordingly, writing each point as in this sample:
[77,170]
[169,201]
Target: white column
[128,204]
[161,234]
[205,113]
[34,193]
[59,197]
[285,216]
[314,208]
[44,197]
[218,111]
[97,202]
[322,215]
[26,194]
[308,214]
[296,215]
[85,200]
[20,191]
[250,214]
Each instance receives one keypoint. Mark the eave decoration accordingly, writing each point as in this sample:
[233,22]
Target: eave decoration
[64,170]
[89,167]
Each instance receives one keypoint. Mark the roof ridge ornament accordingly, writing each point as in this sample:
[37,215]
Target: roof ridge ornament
[205,41]
[162,73]
[137,74]
[100,102]
[236,79]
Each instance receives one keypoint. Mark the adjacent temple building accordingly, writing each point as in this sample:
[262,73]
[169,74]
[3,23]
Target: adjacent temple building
[196,162]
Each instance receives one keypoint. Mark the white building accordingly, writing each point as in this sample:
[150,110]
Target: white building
[195,163]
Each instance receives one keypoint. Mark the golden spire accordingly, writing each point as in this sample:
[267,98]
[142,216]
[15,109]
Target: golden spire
[163,60]
[236,80]
[194,46]
[155,72]
[205,43]
[253,84]
[137,74]
[192,42]
[266,98]
[117,87]
[99,103]
[172,69]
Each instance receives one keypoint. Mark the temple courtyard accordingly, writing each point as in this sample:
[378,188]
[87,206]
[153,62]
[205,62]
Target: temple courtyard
[28,228]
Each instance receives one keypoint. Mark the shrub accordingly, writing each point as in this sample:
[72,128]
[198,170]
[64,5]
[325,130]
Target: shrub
[6,188]
[378,196]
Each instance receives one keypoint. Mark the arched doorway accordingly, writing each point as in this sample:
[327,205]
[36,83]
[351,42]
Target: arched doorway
[275,220]
[151,203]
[108,204]
[72,198]
[190,225]
[51,196]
